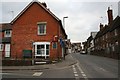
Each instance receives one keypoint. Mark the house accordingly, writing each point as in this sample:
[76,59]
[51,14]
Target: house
[107,40]
[37,33]
[90,42]
[76,47]
[5,39]
[85,46]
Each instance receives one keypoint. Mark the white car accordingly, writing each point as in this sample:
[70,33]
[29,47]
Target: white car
[82,52]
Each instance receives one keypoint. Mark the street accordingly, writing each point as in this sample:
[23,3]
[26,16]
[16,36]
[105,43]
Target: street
[87,67]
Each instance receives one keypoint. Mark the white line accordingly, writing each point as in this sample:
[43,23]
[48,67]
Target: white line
[80,69]
[37,73]
[75,72]
[83,75]
[76,75]
[102,69]
[74,69]
[82,72]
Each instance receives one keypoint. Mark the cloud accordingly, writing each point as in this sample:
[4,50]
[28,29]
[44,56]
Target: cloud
[83,16]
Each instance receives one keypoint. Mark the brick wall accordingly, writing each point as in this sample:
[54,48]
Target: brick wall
[24,30]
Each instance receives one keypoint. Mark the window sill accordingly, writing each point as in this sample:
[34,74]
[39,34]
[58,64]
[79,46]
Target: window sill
[41,34]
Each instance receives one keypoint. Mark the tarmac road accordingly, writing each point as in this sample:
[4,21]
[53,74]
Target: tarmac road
[75,67]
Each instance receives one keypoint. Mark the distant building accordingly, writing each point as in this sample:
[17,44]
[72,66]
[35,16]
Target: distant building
[85,46]
[76,47]
[90,42]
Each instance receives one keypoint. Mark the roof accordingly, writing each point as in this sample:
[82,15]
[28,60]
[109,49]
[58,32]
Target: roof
[5,26]
[43,5]
[115,23]
[5,40]
[90,38]
[30,4]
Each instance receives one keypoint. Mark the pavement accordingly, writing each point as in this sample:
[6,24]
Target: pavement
[69,60]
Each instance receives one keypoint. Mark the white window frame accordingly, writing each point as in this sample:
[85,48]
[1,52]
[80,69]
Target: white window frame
[7,35]
[42,43]
[42,23]
[7,50]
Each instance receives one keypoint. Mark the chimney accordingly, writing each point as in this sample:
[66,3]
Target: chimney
[101,26]
[110,15]
[44,4]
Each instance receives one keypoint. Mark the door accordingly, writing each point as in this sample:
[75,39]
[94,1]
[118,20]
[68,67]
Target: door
[7,50]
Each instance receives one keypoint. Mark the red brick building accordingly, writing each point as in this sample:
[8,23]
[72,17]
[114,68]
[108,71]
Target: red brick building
[5,39]
[37,33]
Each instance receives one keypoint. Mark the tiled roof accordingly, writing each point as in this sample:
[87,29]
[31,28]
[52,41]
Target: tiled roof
[5,40]
[5,26]
[116,23]
[28,6]
[107,28]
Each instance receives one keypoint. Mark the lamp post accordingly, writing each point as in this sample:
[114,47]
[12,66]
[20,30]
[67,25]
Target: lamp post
[64,21]
[63,49]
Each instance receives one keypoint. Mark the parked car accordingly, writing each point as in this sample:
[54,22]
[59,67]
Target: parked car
[83,52]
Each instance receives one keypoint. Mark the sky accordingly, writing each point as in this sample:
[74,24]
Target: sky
[84,16]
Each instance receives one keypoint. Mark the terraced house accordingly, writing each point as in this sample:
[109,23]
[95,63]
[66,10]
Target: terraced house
[37,33]
[5,39]
[107,40]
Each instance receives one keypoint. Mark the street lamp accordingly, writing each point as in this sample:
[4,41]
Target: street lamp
[64,21]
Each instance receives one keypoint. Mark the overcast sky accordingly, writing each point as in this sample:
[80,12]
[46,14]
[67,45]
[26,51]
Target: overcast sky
[83,16]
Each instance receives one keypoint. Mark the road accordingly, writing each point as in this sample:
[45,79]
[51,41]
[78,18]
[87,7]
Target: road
[87,67]
[97,67]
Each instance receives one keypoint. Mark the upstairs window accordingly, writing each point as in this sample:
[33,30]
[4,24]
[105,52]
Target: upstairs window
[8,33]
[42,28]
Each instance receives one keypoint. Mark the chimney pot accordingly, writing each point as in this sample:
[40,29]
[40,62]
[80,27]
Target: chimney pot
[101,26]
[44,4]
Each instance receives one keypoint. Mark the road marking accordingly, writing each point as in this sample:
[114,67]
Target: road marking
[83,75]
[37,73]
[75,72]
[102,69]
[82,72]
[76,75]
[80,69]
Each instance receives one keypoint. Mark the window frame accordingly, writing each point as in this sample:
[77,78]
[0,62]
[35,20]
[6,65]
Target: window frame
[54,43]
[6,34]
[39,32]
